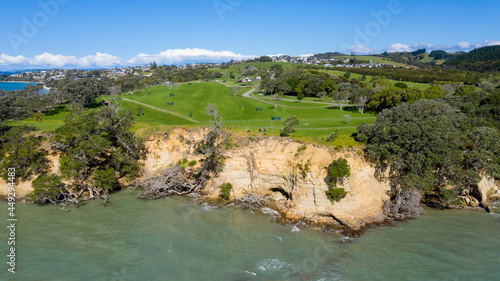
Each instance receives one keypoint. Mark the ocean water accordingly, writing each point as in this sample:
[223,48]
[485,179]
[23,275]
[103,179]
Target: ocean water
[11,86]
[175,239]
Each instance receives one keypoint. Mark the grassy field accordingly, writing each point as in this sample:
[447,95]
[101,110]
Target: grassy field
[194,98]
[422,86]
[374,59]
[236,68]
[53,120]
[315,123]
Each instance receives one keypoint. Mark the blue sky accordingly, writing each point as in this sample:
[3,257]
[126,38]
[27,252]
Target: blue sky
[64,33]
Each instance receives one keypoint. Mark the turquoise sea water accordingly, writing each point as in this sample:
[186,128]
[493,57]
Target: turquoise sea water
[11,86]
[175,239]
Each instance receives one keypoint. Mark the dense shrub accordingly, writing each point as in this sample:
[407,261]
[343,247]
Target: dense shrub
[401,85]
[336,194]
[334,135]
[225,190]
[338,170]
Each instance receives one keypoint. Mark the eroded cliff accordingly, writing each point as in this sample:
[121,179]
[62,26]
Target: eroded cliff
[276,168]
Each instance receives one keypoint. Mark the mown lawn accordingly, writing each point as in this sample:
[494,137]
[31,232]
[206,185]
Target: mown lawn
[315,123]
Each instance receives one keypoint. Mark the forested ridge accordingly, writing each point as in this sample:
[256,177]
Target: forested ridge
[481,59]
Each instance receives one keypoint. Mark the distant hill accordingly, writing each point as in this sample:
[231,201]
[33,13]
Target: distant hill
[328,55]
[418,58]
[481,59]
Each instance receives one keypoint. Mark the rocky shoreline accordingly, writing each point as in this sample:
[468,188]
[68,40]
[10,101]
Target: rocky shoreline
[274,168]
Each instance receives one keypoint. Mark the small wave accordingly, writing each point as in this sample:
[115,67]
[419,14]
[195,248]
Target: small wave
[196,195]
[273,264]
[207,207]
[249,272]
[279,238]
[345,238]
[295,228]
[266,210]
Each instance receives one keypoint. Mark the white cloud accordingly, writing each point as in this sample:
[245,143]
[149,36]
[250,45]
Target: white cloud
[306,55]
[491,43]
[360,49]
[421,45]
[464,45]
[187,55]
[177,56]
[9,60]
[398,47]
[277,55]
[100,60]
[47,60]
[460,46]
[53,60]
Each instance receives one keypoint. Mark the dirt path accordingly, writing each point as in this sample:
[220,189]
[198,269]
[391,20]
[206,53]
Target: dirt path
[162,110]
[247,95]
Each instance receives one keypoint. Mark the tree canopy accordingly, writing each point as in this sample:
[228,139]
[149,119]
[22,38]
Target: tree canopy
[432,143]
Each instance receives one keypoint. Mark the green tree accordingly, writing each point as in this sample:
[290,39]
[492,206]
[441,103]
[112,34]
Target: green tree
[386,98]
[412,94]
[300,96]
[429,144]
[19,149]
[265,59]
[401,85]
[465,90]
[322,95]
[276,98]
[48,189]
[83,92]
[290,123]
[434,92]
[140,110]
[154,66]
[97,149]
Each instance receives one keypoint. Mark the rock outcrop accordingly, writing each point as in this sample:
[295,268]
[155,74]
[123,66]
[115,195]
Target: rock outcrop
[276,168]
[291,175]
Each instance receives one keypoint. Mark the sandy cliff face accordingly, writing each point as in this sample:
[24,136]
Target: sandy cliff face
[269,167]
[272,167]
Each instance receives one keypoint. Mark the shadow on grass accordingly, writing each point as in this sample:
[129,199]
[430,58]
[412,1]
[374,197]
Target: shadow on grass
[57,110]
[350,109]
[344,108]
[333,108]
[94,105]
